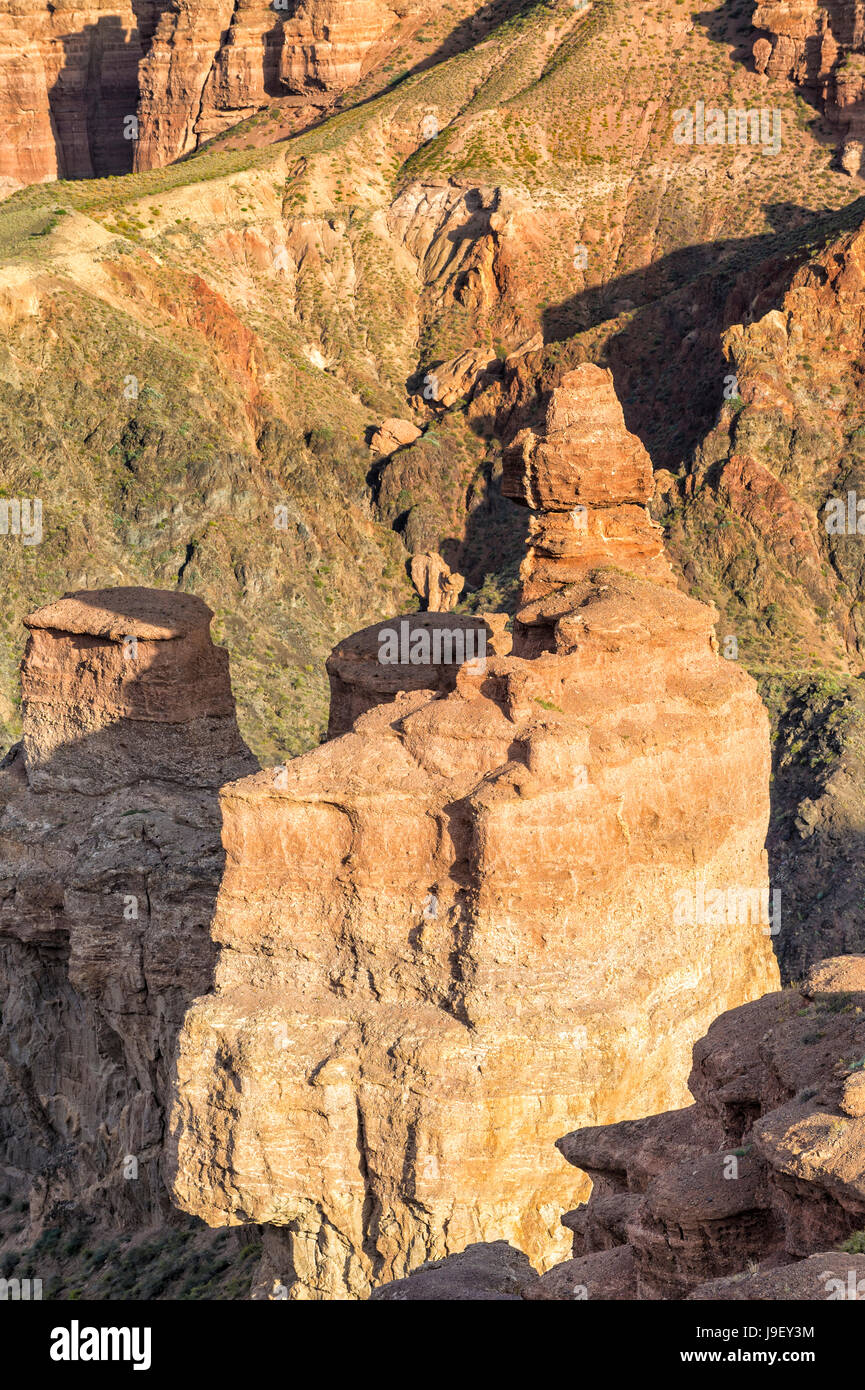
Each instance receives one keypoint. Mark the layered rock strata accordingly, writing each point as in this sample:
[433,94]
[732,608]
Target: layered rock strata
[756,1192]
[215,62]
[588,482]
[209,65]
[436,585]
[74,78]
[109,863]
[468,918]
[326,41]
[68,83]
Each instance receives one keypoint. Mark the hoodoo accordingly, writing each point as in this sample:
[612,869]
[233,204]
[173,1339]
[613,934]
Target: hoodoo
[109,865]
[449,935]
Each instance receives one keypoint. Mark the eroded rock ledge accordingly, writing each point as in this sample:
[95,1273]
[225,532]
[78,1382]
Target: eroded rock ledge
[748,1193]
[450,933]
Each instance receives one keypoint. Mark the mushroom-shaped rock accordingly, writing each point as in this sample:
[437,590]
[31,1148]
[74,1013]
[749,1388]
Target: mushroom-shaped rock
[121,683]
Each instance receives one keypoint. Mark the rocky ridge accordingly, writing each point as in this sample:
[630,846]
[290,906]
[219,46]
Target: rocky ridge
[427,913]
[764,1171]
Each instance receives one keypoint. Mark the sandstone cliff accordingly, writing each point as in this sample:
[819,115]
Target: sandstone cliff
[756,1191]
[211,62]
[109,863]
[820,45]
[214,62]
[474,890]
[73,77]
[68,83]
[326,41]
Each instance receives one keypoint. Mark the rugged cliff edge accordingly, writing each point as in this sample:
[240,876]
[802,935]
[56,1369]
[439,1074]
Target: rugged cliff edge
[479,912]
[764,1171]
[820,44]
[97,88]
[69,87]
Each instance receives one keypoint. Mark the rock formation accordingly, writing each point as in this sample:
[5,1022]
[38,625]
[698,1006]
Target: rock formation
[589,485]
[214,62]
[437,587]
[360,679]
[210,64]
[821,47]
[109,863]
[754,1192]
[68,82]
[393,434]
[133,660]
[71,78]
[764,1171]
[480,912]
[450,381]
[326,41]
[480,1273]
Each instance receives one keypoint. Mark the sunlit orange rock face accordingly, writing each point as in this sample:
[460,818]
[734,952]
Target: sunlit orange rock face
[210,63]
[214,62]
[588,480]
[326,41]
[735,1196]
[819,46]
[456,931]
[73,77]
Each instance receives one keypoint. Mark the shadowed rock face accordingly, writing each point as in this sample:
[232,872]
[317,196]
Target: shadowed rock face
[109,863]
[68,81]
[820,44]
[457,924]
[359,680]
[123,683]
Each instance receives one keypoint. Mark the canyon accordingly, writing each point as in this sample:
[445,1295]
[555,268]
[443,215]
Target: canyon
[384,309]
[390,978]
[102,88]
[107,87]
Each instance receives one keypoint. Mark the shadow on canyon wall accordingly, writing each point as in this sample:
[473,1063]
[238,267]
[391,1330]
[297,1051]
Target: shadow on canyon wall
[94,100]
[663,322]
